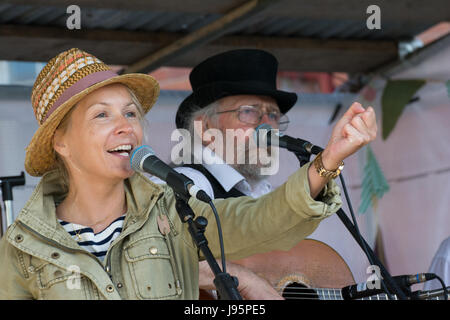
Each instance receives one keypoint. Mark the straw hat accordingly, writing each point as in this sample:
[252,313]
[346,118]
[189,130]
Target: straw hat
[65,80]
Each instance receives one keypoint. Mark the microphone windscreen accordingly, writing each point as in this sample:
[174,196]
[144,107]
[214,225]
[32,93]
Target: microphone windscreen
[139,154]
[260,134]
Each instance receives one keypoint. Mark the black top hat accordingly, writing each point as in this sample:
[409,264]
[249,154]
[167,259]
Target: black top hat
[243,71]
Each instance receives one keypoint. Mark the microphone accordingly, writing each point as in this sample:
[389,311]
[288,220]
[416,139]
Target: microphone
[144,159]
[272,137]
[360,290]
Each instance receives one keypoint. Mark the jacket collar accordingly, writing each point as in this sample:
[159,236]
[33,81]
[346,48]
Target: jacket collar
[39,212]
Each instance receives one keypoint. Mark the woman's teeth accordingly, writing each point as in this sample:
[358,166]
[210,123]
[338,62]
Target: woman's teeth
[125,154]
[126,148]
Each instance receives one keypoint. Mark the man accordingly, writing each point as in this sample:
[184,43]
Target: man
[236,91]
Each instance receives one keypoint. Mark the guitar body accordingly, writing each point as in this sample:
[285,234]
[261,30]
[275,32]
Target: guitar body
[310,264]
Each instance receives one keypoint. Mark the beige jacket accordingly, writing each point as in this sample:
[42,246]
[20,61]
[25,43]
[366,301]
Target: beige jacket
[154,257]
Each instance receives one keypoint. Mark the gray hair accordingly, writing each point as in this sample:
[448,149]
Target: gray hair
[206,112]
[251,172]
[189,133]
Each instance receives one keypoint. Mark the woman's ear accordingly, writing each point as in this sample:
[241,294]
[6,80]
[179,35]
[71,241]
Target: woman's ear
[59,143]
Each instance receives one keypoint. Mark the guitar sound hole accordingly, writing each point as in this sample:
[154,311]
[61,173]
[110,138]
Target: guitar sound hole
[299,291]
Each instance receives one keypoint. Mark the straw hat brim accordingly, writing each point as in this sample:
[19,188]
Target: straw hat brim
[39,157]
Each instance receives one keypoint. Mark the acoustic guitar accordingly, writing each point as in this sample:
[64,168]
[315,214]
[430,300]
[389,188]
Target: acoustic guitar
[307,271]
[310,270]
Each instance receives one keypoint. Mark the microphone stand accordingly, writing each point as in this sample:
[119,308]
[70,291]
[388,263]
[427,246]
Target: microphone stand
[7,183]
[304,157]
[226,285]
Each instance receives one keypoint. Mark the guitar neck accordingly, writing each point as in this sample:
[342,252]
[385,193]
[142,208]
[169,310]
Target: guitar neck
[329,294]
[336,294]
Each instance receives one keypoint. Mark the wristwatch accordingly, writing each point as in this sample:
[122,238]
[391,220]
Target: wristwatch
[324,172]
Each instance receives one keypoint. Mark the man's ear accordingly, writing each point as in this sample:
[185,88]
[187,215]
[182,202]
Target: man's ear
[207,123]
[59,143]
[200,122]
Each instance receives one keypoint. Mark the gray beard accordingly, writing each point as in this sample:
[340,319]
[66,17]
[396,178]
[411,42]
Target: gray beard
[251,172]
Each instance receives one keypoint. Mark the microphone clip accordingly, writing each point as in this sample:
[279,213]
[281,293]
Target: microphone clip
[302,156]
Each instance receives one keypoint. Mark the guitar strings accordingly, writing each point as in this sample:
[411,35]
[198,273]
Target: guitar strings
[303,298]
[310,289]
[331,293]
[325,296]
[324,293]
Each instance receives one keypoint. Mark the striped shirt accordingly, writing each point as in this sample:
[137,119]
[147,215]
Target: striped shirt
[95,243]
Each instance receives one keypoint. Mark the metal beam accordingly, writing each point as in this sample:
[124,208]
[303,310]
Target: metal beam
[33,43]
[233,19]
[413,59]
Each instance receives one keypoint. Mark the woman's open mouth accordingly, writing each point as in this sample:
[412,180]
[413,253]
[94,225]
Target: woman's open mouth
[123,150]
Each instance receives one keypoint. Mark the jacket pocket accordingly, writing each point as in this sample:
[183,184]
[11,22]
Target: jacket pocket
[59,283]
[151,270]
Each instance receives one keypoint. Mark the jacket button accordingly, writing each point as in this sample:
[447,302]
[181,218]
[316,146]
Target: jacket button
[119,285]
[19,238]
[153,250]
[109,288]
[55,255]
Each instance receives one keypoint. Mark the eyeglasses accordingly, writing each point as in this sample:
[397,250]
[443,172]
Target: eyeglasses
[253,115]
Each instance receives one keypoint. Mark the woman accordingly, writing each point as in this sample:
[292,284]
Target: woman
[94,229]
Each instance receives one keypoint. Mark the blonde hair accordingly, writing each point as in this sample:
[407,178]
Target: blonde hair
[60,165]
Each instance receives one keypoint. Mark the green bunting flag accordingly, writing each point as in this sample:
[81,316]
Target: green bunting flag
[396,95]
[448,87]
[374,184]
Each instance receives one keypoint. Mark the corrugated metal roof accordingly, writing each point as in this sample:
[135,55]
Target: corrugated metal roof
[182,22]
[319,36]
